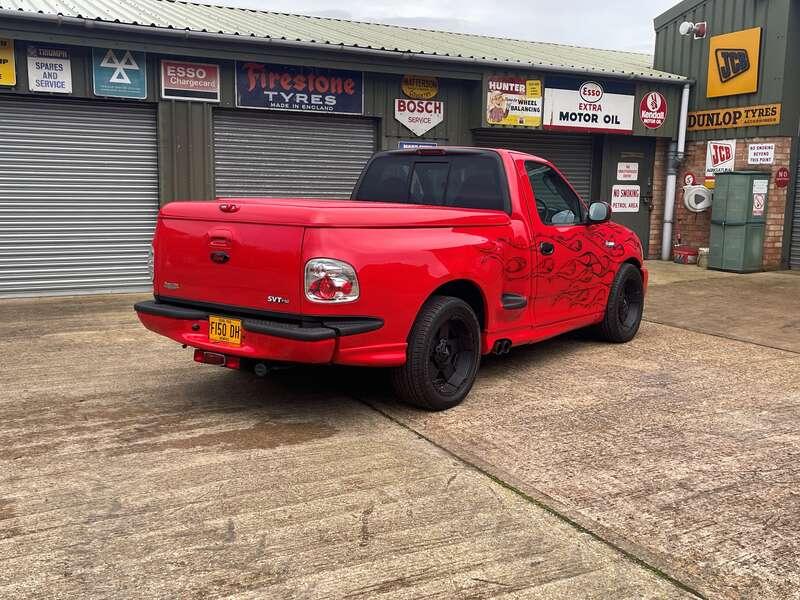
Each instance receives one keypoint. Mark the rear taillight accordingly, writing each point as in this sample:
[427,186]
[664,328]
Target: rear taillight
[330,281]
[151,262]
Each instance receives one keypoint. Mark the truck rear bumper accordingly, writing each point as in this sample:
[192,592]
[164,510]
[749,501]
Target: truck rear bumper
[315,341]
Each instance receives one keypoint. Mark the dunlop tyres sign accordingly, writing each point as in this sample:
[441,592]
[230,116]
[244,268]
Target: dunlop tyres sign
[731,118]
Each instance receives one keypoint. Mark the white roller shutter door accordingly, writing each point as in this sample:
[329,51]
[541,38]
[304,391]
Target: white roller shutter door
[78,196]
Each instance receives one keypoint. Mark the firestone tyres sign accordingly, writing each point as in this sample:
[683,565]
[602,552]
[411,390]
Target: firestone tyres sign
[588,106]
[49,70]
[300,89]
[419,116]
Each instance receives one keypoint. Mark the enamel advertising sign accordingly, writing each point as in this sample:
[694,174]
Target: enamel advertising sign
[514,101]
[653,110]
[419,116]
[8,71]
[299,89]
[49,70]
[733,63]
[420,87]
[720,158]
[119,73]
[189,81]
[588,106]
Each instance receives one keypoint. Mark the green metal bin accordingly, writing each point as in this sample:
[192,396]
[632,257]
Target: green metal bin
[738,217]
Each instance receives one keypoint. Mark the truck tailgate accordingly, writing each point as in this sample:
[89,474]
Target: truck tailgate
[248,265]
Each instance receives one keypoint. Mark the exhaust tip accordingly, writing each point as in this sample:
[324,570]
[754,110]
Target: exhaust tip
[261,369]
[502,347]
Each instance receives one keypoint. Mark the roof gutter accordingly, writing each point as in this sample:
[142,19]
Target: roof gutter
[186,34]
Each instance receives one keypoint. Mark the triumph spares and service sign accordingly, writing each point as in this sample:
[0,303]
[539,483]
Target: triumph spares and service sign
[588,106]
[304,89]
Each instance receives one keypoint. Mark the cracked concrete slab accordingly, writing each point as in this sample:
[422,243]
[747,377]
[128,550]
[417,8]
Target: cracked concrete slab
[679,446]
[126,470]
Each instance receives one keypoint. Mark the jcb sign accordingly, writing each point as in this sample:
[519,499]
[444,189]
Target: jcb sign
[733,63]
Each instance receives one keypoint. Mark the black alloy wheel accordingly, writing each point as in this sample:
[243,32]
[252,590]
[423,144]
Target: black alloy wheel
[625,306]
[443,355]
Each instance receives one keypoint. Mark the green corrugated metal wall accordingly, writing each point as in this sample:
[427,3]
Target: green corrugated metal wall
[689,57]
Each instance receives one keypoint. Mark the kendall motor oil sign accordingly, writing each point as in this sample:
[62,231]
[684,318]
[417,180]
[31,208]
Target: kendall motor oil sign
[588,106]
[304,89]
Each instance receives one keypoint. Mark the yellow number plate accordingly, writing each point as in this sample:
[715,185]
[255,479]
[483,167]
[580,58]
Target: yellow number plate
[225,330]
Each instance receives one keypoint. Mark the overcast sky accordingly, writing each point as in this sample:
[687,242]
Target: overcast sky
[612,24]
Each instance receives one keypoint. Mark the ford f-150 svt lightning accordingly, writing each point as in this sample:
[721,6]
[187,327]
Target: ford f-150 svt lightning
[442,255]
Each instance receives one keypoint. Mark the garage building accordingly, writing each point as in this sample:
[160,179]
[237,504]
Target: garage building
[109,111]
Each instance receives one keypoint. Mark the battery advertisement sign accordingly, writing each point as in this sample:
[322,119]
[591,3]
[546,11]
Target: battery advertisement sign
[300,89]
[588,106]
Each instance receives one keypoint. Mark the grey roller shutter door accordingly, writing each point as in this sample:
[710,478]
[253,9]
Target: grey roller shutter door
[78,196]
[794,251]
[572,154]
[289,155]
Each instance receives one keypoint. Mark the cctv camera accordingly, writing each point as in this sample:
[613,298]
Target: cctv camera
[686,28]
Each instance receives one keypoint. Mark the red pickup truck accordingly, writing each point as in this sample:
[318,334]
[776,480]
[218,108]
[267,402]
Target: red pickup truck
[442,255]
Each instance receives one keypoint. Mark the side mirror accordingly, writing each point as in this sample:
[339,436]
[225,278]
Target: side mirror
[599,212]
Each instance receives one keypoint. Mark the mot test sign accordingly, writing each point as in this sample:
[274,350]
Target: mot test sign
[419,116]
[49,70]
[588,106]
[626,198]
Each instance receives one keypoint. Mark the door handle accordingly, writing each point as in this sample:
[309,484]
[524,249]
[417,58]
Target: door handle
[546,248]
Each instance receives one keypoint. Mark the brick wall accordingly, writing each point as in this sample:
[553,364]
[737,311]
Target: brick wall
[659,191]
[695,228]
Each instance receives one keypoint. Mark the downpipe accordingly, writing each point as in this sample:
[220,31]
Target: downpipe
[674,159]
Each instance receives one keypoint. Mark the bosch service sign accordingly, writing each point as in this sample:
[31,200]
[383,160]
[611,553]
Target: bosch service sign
[419,116]
[300,89]
[588,106]
[653,110]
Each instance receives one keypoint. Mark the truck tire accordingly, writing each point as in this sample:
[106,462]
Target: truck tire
[625,306]
[443,356]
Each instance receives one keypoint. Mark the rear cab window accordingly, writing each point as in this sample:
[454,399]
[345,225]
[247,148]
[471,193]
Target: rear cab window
[469,180]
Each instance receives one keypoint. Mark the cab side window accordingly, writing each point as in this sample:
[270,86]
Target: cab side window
[556,203]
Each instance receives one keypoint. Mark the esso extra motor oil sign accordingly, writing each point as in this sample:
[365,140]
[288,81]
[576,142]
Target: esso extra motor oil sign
[591,91]
[419,116]
[588,106]
[653,110]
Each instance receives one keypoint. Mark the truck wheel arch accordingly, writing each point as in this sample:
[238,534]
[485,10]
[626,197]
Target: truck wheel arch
[466,290]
